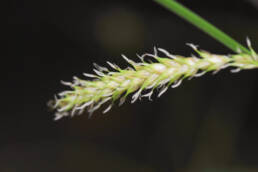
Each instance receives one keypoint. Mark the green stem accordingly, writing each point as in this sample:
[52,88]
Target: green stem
[202,24]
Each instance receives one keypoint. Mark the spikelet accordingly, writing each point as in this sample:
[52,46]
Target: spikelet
[142,79]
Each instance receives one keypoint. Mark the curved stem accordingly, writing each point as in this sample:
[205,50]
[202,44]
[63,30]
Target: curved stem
[202,24]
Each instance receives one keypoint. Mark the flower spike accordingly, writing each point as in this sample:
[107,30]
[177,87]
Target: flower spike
[142,79]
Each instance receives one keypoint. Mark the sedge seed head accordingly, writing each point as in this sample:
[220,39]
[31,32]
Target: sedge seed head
[108,85]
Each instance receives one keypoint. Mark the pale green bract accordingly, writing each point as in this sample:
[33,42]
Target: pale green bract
[142,78]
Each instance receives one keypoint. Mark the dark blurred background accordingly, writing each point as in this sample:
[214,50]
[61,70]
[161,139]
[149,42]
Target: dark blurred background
[208,124]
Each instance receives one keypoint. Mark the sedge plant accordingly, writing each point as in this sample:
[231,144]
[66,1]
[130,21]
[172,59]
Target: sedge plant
[152,72]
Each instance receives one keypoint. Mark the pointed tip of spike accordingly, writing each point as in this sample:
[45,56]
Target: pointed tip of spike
[193,46]
[248,42]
